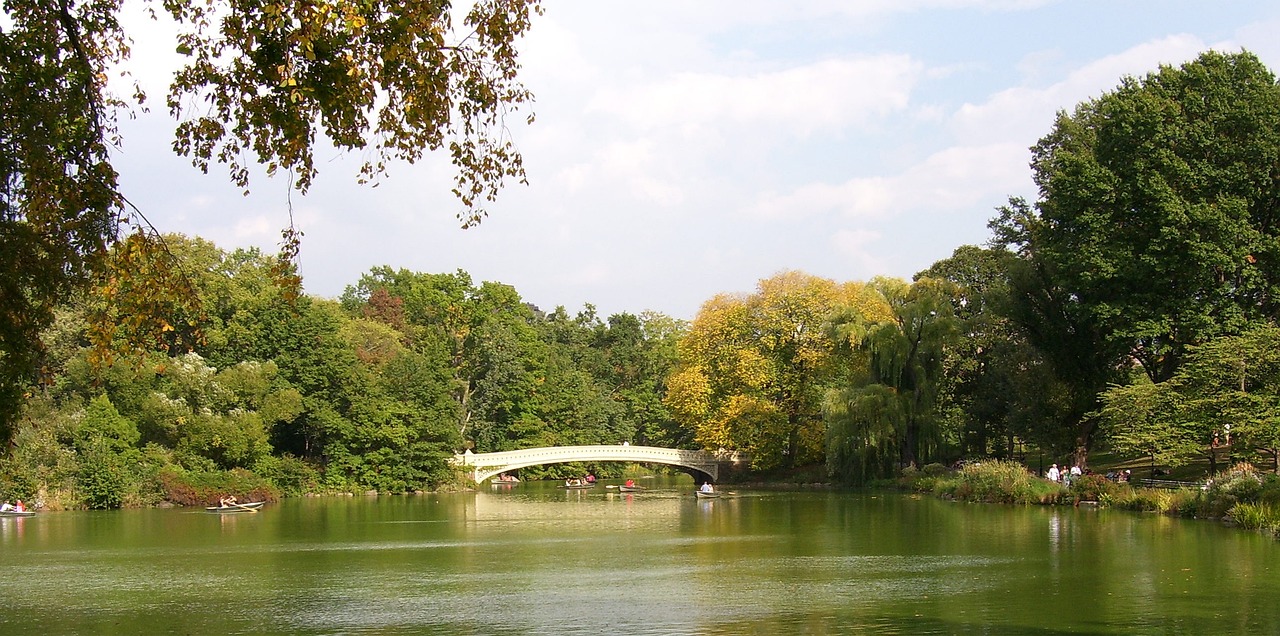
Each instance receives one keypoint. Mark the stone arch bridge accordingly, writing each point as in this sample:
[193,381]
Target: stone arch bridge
[706,465]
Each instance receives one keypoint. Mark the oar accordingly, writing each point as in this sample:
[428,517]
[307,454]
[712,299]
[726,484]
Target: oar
[240,505]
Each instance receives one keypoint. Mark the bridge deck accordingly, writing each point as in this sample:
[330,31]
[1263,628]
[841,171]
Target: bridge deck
[486,465]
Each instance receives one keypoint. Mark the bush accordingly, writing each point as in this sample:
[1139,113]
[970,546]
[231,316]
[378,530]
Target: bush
[41,470]
[103,478]
[204,488]
[1239,484]
[1270,493]
[1092,488]
[146,488]
[1256,516]
[291,475]
[999,482]
[934,470]
[1186,502]
[18,480]
[103,425]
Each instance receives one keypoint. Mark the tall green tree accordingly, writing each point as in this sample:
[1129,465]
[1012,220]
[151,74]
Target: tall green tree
[990,361]
[1156,228]
[1159,206]
[638,353]
[1151,420]
[1074,359]
[1227,390]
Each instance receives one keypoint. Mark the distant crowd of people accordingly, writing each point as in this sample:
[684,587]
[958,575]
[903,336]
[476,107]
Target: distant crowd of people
[1063,476]
[1066,475]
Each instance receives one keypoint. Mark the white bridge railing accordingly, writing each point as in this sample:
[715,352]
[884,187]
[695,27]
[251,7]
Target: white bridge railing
[486,465]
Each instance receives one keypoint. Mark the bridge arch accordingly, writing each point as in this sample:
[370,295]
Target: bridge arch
[703,465]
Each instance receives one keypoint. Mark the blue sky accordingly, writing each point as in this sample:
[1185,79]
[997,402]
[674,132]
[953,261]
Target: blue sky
[687,149]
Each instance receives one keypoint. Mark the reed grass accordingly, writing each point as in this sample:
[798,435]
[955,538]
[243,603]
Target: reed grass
[995,482]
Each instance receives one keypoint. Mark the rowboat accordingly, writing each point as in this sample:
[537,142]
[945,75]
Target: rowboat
[706,495]
[18,513]
[579,486]
[244,507]
[630,488]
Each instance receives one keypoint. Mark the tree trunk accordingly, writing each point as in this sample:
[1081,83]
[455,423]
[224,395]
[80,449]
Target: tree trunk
[909,443]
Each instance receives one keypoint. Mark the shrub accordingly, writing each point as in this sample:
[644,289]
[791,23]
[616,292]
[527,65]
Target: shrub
[1270,493]
[999,482]
[1239,484]
[1186,502]
[923,483]
[202,488]
[934,470]
[291,475]
[102,425]
[146,489]
[1091,488]
[1140,500]
[102,480]
[1256,516]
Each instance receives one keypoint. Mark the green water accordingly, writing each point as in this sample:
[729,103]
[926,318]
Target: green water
[534,559]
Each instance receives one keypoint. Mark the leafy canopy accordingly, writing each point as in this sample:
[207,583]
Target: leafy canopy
[1159,203]
[266,82]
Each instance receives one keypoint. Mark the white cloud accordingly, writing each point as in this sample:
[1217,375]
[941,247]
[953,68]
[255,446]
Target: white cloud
[591,274]
[684,148]
[1025,114]
[551,45]
[256,229]
[861,197]
[856,246]
[1260,38]
[727,13]
[956,177]
[827,95]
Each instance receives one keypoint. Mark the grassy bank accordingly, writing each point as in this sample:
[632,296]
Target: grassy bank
[1241,495]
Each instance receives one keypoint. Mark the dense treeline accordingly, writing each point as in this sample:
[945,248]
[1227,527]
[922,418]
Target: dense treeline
[1132,306]
[375,391]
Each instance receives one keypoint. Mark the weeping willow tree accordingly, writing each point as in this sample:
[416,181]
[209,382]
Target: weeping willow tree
[887,416]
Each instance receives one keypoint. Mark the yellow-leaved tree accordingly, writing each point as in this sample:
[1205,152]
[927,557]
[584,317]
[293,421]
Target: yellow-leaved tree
[753,368]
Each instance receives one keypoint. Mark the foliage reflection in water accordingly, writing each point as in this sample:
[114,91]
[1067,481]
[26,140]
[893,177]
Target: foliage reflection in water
[538,560]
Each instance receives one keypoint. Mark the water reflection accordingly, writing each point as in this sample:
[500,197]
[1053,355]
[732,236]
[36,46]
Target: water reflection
[537,559]
[12,528]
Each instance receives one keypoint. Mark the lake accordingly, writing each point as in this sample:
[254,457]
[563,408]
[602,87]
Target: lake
[536,559]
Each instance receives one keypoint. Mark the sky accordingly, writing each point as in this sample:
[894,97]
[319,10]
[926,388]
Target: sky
[683,150]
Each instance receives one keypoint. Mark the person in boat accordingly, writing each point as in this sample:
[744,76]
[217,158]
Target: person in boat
[706,487]
[228,501]
[6,506]
[573,482]
[630,483]
[20,507]
[590,479]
